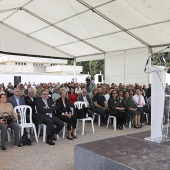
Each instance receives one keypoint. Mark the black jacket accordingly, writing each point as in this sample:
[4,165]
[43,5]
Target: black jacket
[60,106]
[42,109]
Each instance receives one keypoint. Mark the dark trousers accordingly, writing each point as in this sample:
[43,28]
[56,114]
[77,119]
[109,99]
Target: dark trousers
[52,121]
[70,121]
[4,127]
[34,120]
[120,117]
[143,110]
[103,114]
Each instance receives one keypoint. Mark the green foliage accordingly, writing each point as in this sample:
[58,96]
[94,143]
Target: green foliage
[93,67]
[161,59]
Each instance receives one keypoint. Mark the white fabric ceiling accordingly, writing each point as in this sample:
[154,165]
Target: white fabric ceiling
[81,28]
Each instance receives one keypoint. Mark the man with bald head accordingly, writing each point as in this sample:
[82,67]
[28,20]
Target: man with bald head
[16,100]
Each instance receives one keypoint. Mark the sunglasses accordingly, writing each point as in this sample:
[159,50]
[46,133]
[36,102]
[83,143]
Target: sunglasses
[84,92]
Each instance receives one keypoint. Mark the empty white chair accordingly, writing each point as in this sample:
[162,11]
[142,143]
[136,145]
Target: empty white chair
[114,121]
[23,124]
[79,105]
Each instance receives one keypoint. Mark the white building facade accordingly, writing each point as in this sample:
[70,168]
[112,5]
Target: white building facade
[32,69]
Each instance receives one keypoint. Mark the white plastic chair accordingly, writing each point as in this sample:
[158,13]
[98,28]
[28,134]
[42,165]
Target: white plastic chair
[22,112]
[96,114]
[79,105]
[44,131]
[114,121]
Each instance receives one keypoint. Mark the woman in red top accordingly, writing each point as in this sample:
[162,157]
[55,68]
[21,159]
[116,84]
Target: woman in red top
[72,97]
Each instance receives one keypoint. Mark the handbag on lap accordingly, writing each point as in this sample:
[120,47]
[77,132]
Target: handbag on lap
[7,118]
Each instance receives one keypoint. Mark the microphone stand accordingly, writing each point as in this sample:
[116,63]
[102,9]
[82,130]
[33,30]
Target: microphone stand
[152,55]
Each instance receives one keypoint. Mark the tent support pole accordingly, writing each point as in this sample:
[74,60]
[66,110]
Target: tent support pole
[74,70]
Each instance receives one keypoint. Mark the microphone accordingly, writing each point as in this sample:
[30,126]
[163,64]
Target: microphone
[152,55]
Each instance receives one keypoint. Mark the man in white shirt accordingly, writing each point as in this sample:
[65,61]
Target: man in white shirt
[107,96]
[77,89]
[84,97]
[140,102]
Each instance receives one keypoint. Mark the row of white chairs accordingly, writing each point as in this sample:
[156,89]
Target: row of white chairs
[79,104]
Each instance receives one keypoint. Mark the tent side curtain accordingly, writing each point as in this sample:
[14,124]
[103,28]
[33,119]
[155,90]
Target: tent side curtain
[126,66]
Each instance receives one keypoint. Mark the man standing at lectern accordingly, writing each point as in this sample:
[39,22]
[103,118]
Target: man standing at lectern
[139,100]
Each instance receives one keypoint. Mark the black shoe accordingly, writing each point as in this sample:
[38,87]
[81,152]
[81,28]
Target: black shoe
[69,138]
[137,127]
[19,145]
[74,136]
[54,138]
[120,127]
[3,148]
[50,142]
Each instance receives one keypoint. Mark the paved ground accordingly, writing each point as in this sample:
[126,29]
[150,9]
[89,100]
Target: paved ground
[59,157]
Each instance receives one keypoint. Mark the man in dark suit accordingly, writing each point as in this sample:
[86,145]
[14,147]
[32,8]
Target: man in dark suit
[84,97]
[45,114]
[16,100]
[30,100]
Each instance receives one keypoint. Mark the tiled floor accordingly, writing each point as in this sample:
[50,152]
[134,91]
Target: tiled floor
[59,157]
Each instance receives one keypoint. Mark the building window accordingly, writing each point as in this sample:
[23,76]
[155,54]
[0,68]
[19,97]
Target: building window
[15,63]
[25,64]
[21,63]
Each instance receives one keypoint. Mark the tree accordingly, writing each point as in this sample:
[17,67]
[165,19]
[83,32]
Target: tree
[93,67]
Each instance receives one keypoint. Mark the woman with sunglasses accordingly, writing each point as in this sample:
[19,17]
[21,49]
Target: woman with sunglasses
[131,109]
[116,109]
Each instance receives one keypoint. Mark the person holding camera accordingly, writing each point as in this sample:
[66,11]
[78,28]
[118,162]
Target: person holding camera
[5,110]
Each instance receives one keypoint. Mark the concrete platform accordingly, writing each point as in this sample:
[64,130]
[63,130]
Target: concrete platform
[123,153]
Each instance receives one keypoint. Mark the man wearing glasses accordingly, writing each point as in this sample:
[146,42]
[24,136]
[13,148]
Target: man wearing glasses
[16,99]
[56,94]
[100,106]
[84,97]
[45,115]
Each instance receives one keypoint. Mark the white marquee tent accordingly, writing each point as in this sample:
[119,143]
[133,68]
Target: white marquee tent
[123,32]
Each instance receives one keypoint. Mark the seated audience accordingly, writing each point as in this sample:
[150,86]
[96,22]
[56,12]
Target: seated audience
[30,100]
[131,109]
[56,94]
[46,115]
[64,114]
[116,109]
[16,100]
[72,97]
[140,102]
[84,97]
[7,107]
[100,106]
[107,96]
[120,95]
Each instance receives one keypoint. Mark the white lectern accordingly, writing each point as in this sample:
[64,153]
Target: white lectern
[159,133]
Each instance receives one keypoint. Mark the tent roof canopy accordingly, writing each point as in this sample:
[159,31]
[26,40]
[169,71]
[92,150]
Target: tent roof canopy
[85,27]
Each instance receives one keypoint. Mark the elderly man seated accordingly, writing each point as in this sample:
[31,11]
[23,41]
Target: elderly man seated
[84,97]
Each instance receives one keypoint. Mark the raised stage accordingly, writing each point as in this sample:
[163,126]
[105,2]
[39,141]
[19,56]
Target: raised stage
[123,153]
